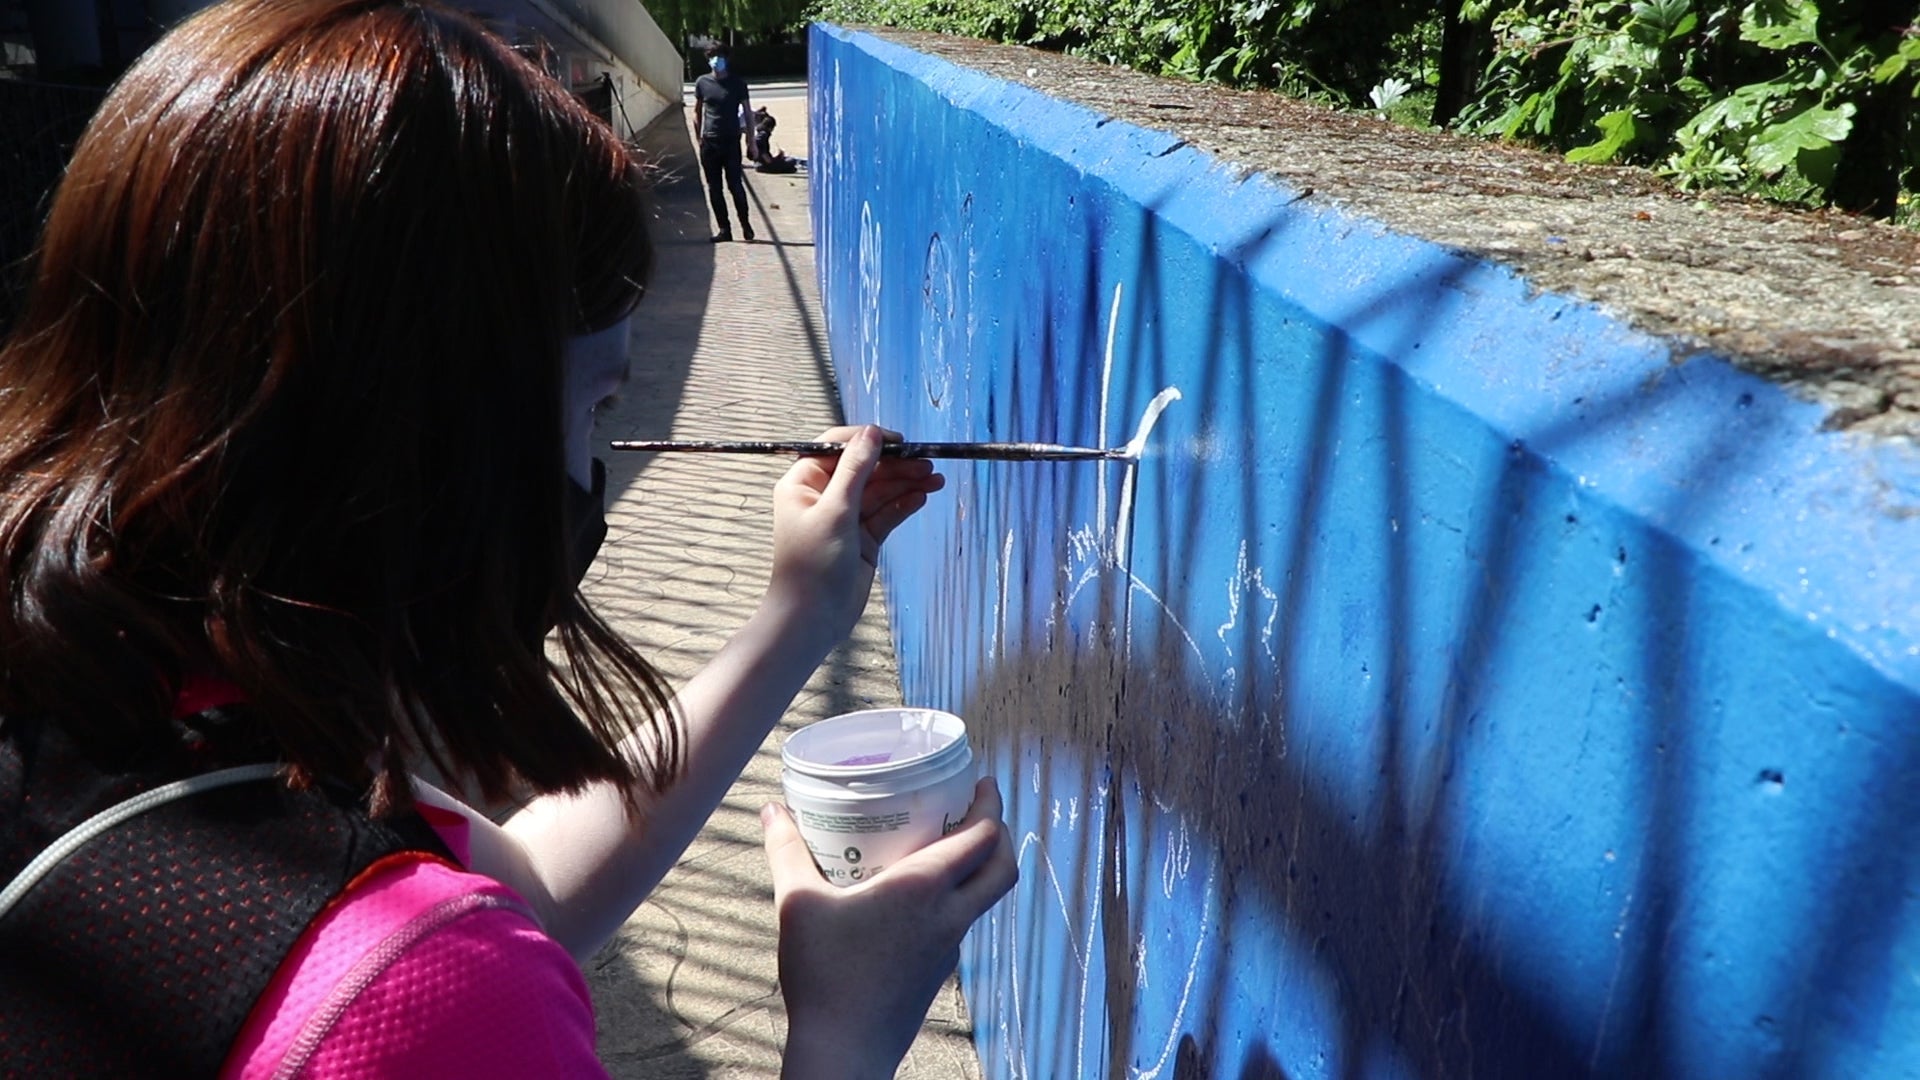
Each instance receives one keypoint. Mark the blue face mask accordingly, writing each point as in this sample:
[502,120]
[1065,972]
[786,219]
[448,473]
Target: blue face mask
[718,64]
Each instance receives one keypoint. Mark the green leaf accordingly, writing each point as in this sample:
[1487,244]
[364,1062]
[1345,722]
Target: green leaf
[1543,117]
[1693,90]
[1738,110]
[1518,117]
[1781,24]
[1813,128]
[1656,22]
[1818,164]
[1248,59]
[1618,131]
[1907,55]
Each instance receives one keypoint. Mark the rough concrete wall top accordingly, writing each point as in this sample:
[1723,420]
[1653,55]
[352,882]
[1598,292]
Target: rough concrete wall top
[1825,303]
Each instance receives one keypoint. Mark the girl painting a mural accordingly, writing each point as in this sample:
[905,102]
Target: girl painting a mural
[294,488]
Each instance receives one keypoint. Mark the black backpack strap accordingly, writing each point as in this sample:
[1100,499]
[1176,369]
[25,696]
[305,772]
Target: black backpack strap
[80,835]
[142,952]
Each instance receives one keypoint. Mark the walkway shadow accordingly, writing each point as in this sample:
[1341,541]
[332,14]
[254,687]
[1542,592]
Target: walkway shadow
[640,1031]
[668,322]
[815,331]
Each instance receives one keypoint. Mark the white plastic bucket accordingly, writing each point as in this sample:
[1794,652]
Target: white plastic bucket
[868,788]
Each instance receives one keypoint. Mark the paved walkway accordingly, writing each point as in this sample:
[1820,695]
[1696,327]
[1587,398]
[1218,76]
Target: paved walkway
[729,343]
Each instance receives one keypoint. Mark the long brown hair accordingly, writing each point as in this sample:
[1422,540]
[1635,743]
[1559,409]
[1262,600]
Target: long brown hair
[284,405]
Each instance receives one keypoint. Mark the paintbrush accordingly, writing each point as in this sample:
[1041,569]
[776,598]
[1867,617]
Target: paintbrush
[978,451]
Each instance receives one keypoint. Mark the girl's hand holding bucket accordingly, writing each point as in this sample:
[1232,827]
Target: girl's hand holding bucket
[859,966]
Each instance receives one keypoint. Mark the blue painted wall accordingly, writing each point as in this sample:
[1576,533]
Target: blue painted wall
[1461,684]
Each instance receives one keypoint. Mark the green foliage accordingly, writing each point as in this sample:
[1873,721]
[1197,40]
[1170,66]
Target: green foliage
[1760,96]
[1331,50]
[758,18]
[1765,96]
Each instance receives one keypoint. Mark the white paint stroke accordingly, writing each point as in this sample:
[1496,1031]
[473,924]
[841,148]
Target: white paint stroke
[870,286]
[1138,444]
[1106,384]
[1123,518]
[1000,612]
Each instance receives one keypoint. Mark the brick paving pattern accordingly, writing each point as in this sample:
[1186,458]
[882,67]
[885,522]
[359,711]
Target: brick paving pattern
[728,343]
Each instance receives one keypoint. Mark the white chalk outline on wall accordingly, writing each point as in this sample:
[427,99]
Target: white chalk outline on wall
[1178,862]
[937,291]
[1097,549]
[1013,1035]
[1193,972]
[839,115]
[1247,581]
[1245,589]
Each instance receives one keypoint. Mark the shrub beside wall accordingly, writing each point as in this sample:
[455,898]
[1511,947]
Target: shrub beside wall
[1811,101]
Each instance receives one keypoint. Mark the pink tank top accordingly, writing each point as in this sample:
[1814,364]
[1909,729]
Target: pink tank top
[420,968]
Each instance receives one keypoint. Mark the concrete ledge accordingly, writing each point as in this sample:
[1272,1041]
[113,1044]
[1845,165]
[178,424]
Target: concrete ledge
[1463,679]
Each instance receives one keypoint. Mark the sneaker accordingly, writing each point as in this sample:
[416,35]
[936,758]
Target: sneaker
[726,235]
[746,230]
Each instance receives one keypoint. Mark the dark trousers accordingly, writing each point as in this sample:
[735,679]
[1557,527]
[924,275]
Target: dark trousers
[722,156]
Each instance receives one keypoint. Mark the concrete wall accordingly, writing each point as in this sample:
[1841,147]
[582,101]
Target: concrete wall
[591,37]
[1461,684]
[628,32]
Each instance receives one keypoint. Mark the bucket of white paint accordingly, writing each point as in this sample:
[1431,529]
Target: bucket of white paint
[868,788]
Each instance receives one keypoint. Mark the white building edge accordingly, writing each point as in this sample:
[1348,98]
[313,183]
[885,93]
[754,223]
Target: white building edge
[595,46]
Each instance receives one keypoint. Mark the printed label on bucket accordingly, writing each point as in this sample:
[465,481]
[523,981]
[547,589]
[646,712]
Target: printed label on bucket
[855,823]
[854,847]
[867,789]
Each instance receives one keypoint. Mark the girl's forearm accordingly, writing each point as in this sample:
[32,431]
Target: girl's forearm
[592,862]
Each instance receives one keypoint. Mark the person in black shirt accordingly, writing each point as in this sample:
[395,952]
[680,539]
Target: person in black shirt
[719,100]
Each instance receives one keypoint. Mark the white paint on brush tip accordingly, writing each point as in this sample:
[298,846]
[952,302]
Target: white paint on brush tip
[1123,519]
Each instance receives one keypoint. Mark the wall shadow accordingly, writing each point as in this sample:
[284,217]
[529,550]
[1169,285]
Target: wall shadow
[1371,888]
[1411,969]
[1426,593]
